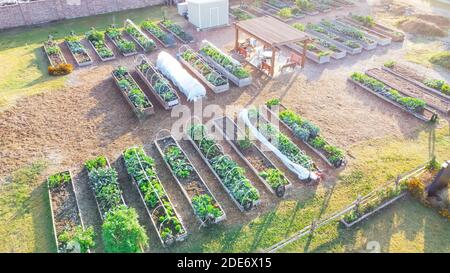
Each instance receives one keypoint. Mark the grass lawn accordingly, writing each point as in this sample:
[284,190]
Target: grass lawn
[26,72]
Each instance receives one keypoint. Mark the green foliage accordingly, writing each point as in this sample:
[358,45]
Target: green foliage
[367,21]
[412,104]
[305,5]
[178,162]
[274,178]
[299,26]
[245,143]
[225,61]
[154,29]
[58,179]
[231,175]
[131,88]
[433,164]
[122,232]
[147,43]
[439,85]
[97,38]
[210,74]
[441,59]
[68,239]
[106,188]
[389,64]
[273,102]
[177,30]
[98,162]
[205,207]
[285,13]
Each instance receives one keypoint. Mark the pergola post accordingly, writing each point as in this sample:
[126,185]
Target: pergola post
[272,65]
[305,48]
[236,42]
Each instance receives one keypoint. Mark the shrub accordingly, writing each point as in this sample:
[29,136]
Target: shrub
[122,232]
[285,13]
[389,64]
[299,26]
[60,69]
[441,59]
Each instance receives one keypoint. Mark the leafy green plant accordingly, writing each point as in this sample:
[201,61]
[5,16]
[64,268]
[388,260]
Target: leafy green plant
[274,177]
[205,207]
[97,38]
[70,238]
[131,88]
[299,26]
[146,43]
[225,61]
[273,102]
[232,176]
[389,64]
[177,30]
[124,45]
[196,61]
[177,162]
[285,13]
[367,21]
[98,162]
[106,188]
[142,168]
[439,85]
[58,179]
[122,232]
[412,104]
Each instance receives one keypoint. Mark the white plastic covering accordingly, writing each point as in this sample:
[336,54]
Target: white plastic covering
[173,70]
[299,170]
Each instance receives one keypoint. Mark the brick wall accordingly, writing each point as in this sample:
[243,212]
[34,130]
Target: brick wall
[42,11]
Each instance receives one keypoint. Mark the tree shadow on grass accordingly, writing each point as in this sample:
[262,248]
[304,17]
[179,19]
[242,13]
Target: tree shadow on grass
[39,207]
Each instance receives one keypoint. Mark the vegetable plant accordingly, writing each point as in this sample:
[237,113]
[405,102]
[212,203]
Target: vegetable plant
[205,207]
[122,232]
[439,85]
[155,30]
[131,88]
[59,179]
[225,61]
[97,38]
[274,177]
[146,43]
[177,30]
[124,45]
[197,62]
[77,48]
[412,104]
[177,161]
[70,239]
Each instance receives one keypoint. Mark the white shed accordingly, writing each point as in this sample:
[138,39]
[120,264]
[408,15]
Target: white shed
[208,13]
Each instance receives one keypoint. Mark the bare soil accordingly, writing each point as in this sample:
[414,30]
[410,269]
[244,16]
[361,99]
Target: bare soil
[65,208]
[422,27]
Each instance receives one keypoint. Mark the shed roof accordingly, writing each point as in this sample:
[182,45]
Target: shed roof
[272,31]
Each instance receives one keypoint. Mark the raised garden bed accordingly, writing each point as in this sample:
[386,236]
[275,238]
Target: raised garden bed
[139,37]
[350,33]
[103,182]
[230,175]
[54,54]
[126,47]
[68,226]
[132,93]
[314,52]
[415,107]
[395,35]
[336,52]
[162,213]
[194,188]
[433,86]
[225,64]
[97,40]
[78,50]
[308,7]
[158,84]
[240,14]
[282,143]
[177,31]
[343,44]
[202,70]
[332,4]
[380,38]
[156,32]
[409,89]
[307,132]
[274,180]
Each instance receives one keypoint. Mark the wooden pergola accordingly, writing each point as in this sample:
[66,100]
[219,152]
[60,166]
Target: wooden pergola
[273,34]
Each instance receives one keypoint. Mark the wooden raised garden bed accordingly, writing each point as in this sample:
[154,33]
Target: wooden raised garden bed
[78,51]
[132,93]
[426,115]
[380,38]
[240,14]
[274,180]
[225,64]
[202,70]
[338,41]
[158,84]
[163,215]
[145,43]
[64,208]
[53,53]
[176,31]
[158,34]
[242,188]
[191,183]
[327,157]
[126,47]
[97,40]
